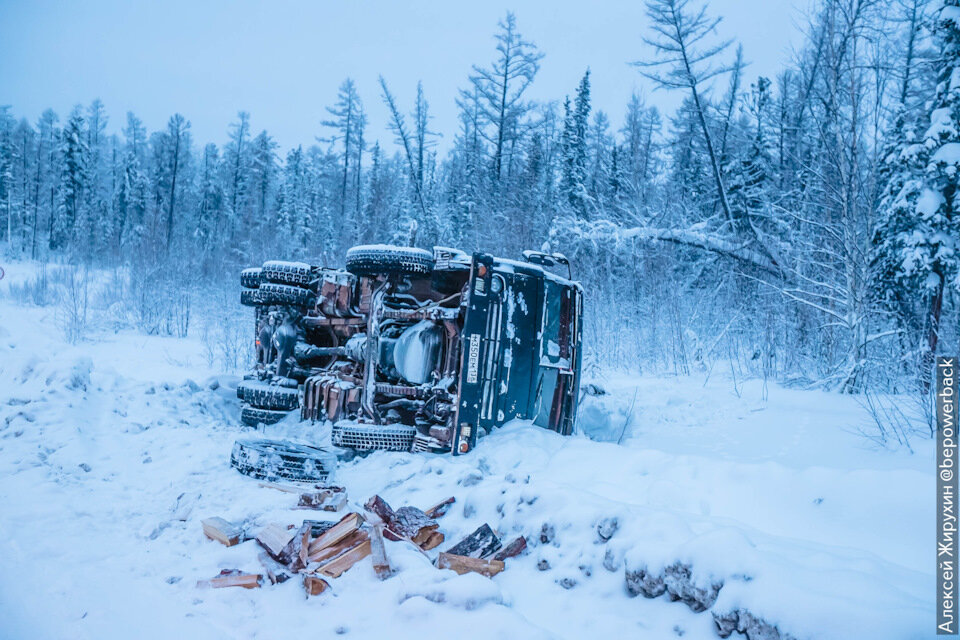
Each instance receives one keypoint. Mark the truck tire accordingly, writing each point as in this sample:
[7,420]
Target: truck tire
[273,293]
[296,273]
[268,396]
[375,259]
[255,416]
[250,297]
[281,460]
[251,278]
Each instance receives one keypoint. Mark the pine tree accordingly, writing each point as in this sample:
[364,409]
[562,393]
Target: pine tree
[73,179]
[918,233]
[574,148]
[8,159]
[211,201]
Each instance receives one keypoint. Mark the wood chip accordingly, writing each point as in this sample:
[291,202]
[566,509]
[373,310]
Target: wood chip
[464,564]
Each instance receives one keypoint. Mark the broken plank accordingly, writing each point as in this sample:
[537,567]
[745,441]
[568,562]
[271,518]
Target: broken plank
[274,537]
[224,532]
[512,550]
[314,585]
[233,578]
[440,509]
[347,525]
[335,568]
[378,551]
[482,542]
[464,564]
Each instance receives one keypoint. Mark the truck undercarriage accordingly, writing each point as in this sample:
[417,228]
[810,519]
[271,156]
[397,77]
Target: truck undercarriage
[405,349]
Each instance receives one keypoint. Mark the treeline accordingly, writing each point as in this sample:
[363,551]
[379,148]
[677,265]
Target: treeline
[797,227]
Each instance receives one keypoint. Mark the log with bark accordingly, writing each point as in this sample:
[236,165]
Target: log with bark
[515,548]
[479,544]
[406,523]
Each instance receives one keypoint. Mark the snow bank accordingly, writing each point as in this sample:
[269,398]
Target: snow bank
[762,509]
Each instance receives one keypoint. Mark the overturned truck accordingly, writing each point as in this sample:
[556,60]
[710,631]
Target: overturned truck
[409,350]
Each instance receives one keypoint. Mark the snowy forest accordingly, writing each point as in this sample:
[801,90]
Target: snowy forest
[798,228]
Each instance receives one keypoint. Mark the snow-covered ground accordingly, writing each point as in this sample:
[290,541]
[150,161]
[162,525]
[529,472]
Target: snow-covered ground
[114,449]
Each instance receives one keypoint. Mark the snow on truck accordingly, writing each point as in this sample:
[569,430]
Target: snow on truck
[408,350]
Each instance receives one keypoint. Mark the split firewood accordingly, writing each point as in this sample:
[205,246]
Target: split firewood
[275,572]
[479,544]
[292,553]
[406,523]
[464,564]
[304,550]
[347,525]
[273,538]
[381,565]
[512,550]
[429,539]
[233,578]
[335,567]
[321,556]
[440,509]
[314,585]
[224,532]
[323,500]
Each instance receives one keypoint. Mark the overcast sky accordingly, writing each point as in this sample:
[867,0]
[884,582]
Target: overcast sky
[282,61]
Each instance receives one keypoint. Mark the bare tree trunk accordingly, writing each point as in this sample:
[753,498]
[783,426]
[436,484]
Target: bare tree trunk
[173,187]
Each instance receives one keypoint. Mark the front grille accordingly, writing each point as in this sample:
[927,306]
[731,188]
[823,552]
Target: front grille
[369,437]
